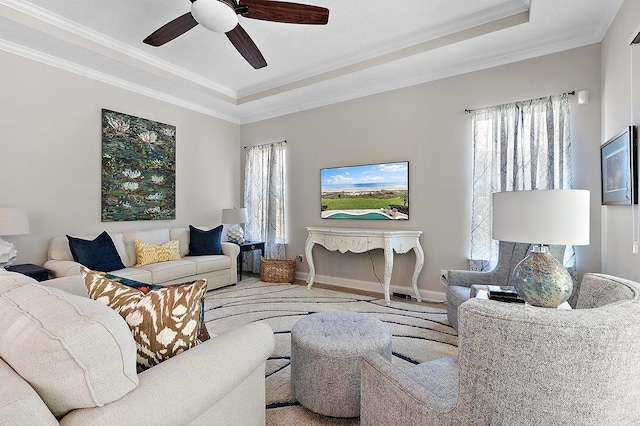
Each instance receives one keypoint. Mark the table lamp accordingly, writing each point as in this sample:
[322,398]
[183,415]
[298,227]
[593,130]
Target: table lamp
[12,222]
[542,217]
[235,217]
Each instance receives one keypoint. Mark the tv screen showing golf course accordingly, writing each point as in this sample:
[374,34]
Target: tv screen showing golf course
[371,191]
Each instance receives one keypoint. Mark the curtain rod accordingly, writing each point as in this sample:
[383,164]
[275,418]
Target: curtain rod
[571,93]
[265,144]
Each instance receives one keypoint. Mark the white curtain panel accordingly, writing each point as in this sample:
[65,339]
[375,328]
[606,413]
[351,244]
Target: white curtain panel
[264,198]
[518,146]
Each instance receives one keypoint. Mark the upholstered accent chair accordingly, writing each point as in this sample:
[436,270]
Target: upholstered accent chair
[523,365]
[459,282]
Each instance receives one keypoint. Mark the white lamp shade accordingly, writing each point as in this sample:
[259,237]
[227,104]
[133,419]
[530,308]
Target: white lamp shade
[233,216]
[13,221]
[214,15]
[557,216]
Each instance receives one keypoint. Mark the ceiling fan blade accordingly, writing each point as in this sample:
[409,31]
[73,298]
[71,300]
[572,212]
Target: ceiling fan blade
[279,11]
[247,48]
[171,30]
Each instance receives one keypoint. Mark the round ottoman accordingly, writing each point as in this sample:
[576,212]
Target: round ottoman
[326,349]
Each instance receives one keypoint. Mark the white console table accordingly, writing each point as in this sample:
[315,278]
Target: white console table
[361,240]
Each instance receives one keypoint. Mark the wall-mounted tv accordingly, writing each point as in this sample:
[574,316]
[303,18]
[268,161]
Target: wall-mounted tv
[370,191]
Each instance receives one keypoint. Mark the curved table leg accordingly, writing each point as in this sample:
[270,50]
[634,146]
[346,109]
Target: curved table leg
[308,250]
[388,268]
[419,263]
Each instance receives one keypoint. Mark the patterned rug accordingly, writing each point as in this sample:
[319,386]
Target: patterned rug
[420,333]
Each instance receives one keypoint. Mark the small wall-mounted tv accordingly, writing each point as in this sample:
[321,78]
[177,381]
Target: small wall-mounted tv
[371,191]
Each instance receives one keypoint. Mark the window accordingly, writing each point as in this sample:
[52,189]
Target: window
[519,146]
[264,198]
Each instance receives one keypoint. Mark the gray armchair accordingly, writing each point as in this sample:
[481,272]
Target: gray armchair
[460,281]
[523,365]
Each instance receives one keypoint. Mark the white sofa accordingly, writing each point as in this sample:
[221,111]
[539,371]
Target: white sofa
[220,381]
[219,270]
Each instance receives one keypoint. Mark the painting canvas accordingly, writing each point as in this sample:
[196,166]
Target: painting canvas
[619,169]
[138,168]
[372,191]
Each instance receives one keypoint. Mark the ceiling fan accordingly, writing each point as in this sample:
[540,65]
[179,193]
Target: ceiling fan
[222,16]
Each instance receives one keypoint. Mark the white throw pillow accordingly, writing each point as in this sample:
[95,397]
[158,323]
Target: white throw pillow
[75,352]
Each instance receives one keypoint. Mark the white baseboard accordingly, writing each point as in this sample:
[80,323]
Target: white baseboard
[426,295]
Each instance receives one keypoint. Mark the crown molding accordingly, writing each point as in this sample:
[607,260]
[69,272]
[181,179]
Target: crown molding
[74,68]
[492,20]
[294,87]
[607,19]
[541,48]
[42,20]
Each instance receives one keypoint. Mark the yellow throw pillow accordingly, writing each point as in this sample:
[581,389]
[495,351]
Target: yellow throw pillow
[147,254]
[163,322]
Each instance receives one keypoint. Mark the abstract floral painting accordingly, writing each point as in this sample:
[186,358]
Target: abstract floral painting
[138,168]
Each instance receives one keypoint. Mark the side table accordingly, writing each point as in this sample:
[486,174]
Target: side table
[248,246]
[482,292]
[34,271]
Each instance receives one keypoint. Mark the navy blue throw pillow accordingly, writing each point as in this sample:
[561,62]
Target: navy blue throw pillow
[204,242]
[99,254]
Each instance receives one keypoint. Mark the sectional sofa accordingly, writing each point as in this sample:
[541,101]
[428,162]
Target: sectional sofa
[219,270]
[70,360]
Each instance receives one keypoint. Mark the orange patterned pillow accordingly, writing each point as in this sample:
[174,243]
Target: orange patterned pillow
[163,322]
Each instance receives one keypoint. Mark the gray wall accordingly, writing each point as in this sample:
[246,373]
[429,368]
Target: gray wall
[50,152]
[51,157]
[426,125]
[620,100]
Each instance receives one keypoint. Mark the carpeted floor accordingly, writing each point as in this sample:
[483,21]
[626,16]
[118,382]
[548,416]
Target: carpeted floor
[420,333]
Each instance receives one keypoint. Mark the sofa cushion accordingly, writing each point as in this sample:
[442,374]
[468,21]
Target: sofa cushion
[152,236]
[206,264]
[172,270]
[204,242]
[19,403]
[182,235]
[17,277]
[99,254]
[7,284]
[457,295]
[164,322]
[73,351]
[445,388]
[147,254]
[137,274]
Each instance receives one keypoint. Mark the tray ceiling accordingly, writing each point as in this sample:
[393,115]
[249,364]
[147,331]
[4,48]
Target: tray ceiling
[368,46]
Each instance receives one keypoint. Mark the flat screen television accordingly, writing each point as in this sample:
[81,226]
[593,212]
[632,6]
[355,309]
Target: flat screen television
[371,191]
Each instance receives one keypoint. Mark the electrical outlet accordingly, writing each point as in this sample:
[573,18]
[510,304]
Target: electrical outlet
[299,258]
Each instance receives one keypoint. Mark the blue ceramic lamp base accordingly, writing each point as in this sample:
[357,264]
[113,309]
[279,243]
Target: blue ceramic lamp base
[541,280]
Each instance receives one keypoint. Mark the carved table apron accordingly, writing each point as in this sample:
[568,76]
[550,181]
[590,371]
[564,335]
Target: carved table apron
[361,240]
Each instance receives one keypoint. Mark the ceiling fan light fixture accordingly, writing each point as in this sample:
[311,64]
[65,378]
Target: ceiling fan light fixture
[214,15]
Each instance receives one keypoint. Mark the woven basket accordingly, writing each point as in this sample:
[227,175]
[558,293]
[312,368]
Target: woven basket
[277,271]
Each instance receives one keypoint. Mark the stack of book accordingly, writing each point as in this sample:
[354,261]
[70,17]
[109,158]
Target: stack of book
[504,293]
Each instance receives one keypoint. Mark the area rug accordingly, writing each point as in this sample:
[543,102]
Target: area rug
[420,333]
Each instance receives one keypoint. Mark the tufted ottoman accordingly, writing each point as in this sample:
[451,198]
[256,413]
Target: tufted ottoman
[326,349]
